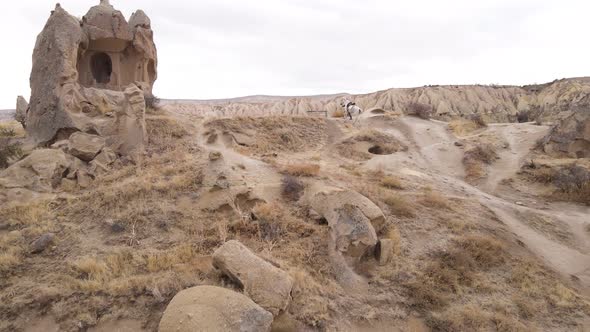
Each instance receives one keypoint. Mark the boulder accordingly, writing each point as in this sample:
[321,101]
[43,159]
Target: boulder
[41,171]
[384,251]
[21,110]
[41,243]
[265,284]
[352,218]
[85,146]
[103,161]
[325,202]
[209,308]
[352,232]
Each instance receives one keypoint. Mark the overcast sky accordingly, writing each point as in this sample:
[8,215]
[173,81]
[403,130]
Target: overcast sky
[229,48]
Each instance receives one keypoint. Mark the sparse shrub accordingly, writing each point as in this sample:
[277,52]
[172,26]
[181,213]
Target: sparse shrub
[292,188]
[485,153]
[11,151]
[338,113]
[269,217]
[152,102]
[7,132]
[475,158]
[435,200]
[302,170]
[423,111]
[478,120]
[399,206]
[392,182]
[574,182]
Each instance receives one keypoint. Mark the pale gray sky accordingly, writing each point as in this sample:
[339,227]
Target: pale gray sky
[229,48]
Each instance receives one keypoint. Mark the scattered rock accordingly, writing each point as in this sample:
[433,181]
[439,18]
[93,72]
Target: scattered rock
[61,145]
[215,155]
[266,284]
[384,251]
[40,244]
[4,227]
[22,108]
[459,143]
[520,204]
[85,146]
[41,171]
[209,308]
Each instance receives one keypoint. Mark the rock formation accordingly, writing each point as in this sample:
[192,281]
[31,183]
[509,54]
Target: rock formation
[267,285]
[570,137]
[495,103]
[208,308]
[92,76]
[22,107]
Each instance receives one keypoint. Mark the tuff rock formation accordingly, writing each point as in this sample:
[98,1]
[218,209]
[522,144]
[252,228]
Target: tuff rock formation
[209,308]
[267,285]
[570,137]
[92,76]
[22,108]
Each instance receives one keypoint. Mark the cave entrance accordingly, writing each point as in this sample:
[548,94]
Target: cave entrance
[102,67]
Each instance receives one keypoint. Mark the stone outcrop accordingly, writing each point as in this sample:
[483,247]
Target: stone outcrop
[41,171]
[92,76]
[85,146]
[570,137]
[265,284]
[208,308]
[22,107]
[352,218]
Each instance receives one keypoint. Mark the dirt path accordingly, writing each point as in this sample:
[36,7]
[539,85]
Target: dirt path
[436,157]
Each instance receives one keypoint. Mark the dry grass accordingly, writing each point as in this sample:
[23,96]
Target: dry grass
[392,182]
[12,129]
[463,127]
[338,113]
[275,134]
[292,188]
[476,158]
[436,200]
[302,169]
[398,205]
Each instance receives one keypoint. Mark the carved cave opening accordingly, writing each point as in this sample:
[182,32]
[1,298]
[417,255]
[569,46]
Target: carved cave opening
[101,67]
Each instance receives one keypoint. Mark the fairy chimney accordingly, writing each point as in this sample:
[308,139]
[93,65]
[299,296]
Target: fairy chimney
[92,75]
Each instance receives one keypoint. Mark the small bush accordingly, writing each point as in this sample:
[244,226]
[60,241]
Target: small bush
[423,111]
[292,188]
[302,170]
[270,220]
[392,182]
[399,206]
[7,132]
[574,182]
[152,102]
[485,153]
[11,151]
[478,120]
[338,113]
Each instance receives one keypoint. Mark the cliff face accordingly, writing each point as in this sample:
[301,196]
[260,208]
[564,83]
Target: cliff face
[550,101]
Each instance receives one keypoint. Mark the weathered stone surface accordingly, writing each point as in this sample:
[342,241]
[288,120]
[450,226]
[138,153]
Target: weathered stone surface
[326,203]
[91,76]
[41,243]
[570,137]
[264,283]
[384,251]
[85,146]
[41,171]
[21,110]
[352,231]
[104,22]
[53,76]
[209,308]
[103,161]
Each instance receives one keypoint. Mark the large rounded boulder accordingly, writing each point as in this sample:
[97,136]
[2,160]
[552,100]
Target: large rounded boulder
[209,308]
